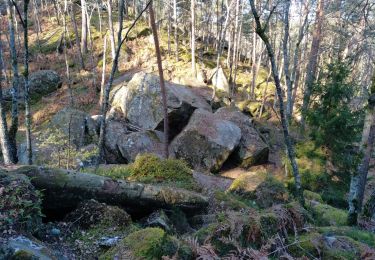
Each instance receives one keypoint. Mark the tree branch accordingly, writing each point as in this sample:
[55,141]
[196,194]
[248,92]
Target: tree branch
[19,13]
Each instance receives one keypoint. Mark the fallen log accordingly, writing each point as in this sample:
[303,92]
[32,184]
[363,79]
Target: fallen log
[63,190]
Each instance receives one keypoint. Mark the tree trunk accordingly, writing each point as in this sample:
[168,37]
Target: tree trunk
[78,45]
[297,57]
[84,27]
[26,85]
[111,30]
[359,178]
[313,61]
[162,86]
[4,135]
[15,86]
[253,61]
[369,209]
[193,65]
[63,190]
[103,71]
[175,28]
[260,30]
[286,61]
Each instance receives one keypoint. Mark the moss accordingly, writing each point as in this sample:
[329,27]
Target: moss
[148,243]
[149,168]
[271,191]
[352,232]
[245,185]
[23,255]
[232,201]
[309,195]
[326,215]
[269,225]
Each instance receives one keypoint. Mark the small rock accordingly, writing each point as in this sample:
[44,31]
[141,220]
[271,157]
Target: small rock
[159,219]
[108,241]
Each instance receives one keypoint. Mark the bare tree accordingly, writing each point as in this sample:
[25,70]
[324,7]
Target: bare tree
[84,26]
[4,135]
[193,65]
[15,85]
[261,31]
[162,85]
[359,178]
[313,60]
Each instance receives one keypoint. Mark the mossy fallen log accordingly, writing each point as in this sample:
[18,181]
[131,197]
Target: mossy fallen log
[63,190]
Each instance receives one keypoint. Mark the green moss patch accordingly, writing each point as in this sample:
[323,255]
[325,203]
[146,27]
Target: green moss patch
[148,243]
[149,168]
[326,215]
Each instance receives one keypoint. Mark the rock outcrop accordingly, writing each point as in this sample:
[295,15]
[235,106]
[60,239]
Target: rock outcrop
[41,83]
[77,124]
[206,142]
[148,141]
[252,149]
[140,102]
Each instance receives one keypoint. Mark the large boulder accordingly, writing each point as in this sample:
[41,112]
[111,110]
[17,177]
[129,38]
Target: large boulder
[148,141]
[41,83]
[206,142]
[252,150]
[77,124]
[115,130]
[140,101]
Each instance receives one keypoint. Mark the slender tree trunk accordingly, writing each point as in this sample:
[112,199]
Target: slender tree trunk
[4,135]
[359,178]
[260,30]
[253,61]
[169,27]
[26,85]
[103,71]
[297,57]
[15,86]
[286,61]
[84,27]
[162,86]
[111,30]
[77,39]
[193,65]
[175,28]
[71,101]
[313,60]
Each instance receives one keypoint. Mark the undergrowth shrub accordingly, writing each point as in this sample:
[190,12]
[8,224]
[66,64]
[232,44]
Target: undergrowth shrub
[20,204]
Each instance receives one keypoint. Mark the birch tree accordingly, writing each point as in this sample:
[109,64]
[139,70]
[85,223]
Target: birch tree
[261,31]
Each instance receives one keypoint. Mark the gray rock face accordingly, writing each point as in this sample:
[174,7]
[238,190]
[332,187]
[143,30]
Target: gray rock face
[77,124]
[28,248]
[206,142]
[219,80]
[41,83]
[140,102]
[252,150]
[148,141]
[115,131]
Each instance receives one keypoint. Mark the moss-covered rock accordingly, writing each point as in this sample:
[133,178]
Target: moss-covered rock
[326,215]
[246,184]
[271,192]
[310,195]
[92,213]
[328,246]
[149,168]
[148,243]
